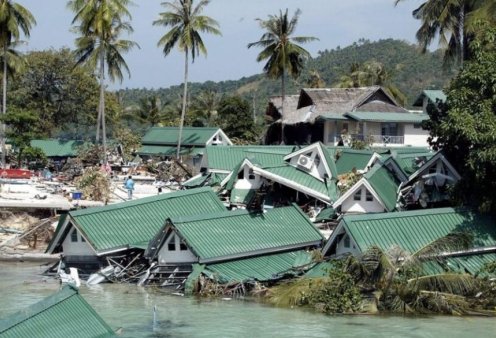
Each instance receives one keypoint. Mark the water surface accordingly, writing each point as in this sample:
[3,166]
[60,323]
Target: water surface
[131,308]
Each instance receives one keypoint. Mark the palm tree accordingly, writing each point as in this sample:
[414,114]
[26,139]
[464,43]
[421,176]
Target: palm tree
[14,19]
[186,24]
[281,50]
[447,20]
[100,25]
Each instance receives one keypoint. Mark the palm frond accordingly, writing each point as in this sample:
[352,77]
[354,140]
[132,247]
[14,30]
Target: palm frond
[456,284]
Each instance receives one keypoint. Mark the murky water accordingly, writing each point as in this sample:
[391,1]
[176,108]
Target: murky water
[131,308]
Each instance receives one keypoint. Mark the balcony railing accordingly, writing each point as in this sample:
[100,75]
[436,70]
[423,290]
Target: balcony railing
[373,139]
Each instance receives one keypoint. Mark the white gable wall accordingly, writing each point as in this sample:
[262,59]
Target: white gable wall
[250,180]
[173,252]
[77,247]
[350,205]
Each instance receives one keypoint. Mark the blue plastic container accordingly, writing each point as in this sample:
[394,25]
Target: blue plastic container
[76,195]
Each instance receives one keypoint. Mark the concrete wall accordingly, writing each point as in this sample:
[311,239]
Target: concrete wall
[178,255]
[416,137]
[349,205]
[78,248]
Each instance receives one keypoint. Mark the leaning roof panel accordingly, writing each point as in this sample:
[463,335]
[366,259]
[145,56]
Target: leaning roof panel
[168,136]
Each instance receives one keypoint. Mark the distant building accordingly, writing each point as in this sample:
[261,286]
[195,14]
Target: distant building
[427,97]
[337,116]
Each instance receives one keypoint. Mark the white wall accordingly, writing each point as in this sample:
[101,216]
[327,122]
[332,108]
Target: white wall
[246,182]
[416,137]
[166,256]
[78,248]
[349,205]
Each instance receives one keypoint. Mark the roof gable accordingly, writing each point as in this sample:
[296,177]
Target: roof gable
[192,136]
[385,184]
[412,230]
[314,159]
[65,312]
[116,226]
[235,234]
[432,96]
[442,164]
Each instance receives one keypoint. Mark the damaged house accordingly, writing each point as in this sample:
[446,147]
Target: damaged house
[162,142]
[91,238]
[430,184]
[337,116]
[232,247]
[306,176]
[413,230]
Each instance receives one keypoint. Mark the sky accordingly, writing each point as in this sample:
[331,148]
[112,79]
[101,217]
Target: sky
[333,22]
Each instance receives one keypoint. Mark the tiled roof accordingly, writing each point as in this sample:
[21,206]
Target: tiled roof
[64,314]
[236,234]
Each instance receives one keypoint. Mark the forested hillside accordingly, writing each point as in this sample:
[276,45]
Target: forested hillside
[410,71]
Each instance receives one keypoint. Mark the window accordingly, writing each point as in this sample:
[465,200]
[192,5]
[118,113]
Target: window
[74,236]
[251,175]
[182,246]
[82,239]
[346,241]
[358,195]
[171,246]
[368,196]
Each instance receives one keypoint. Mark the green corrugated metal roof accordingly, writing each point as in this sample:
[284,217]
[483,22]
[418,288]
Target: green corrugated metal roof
[242,196]
[469,263]
[168,136]
[332,116]
[432,95]
[58,148]
[385,184]
[320,270]
[122,224]
[64,314]
[349,159]
[412,230]
[407,162]
[261,268]
[388,117]
[226,158]
[329,156]
[241,234]
[304,179]
[147,149]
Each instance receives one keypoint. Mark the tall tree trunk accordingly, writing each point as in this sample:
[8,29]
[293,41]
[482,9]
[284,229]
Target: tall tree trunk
[101,107]
[183,112]
[283,92]
[4,104]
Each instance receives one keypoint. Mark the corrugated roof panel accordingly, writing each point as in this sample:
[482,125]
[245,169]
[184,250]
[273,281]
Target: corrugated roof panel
[349,159]
[118,225]
[243,233]
[57,148]
[191,136]
[412,230]
[385,184]
[64,314]
[262,268]
[388,117]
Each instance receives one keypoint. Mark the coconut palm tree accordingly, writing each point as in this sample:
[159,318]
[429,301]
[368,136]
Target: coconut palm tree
[14,19]
[448,20]
[100,24]
[186,23]
[281,49]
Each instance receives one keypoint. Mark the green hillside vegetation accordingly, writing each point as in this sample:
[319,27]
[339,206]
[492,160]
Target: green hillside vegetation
[410,71]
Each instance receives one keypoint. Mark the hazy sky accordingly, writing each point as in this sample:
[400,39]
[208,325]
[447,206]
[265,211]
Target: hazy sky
[334,22]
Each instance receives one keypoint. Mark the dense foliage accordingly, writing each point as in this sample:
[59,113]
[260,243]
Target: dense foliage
[465,127]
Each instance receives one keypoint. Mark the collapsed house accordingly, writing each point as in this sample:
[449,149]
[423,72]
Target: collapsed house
[306,176]
[162,142]
[338,116]
[430,184]
[413,230]
[63,314]
[232,247]
[116,234]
